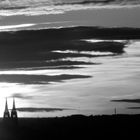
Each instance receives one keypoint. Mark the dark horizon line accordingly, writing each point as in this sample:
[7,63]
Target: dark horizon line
[79,115]
[68,27]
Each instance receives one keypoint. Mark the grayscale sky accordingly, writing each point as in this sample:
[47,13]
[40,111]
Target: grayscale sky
[73,82]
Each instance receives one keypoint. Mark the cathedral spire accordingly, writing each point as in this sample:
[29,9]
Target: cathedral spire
[6,106]
[6,112]
[14,107]
[14,112]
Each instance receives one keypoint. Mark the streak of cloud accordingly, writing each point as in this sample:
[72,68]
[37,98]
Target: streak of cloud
[39,79]
[127,100]
[45,7]
[32,109]
[133,108]
[20,96]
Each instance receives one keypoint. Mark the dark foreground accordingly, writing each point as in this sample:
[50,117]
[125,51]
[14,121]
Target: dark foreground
[73,127]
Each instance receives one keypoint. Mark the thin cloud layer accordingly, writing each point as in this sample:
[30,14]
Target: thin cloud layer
[131,101]
[127,100]
[33,109]
[15,3]
[21,96]
[98,1]
[133,108]
[46,7]
[38,79]
[38,65]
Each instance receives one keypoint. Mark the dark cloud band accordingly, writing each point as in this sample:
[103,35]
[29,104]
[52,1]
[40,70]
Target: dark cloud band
[29,109]
[38,79]
[127,100]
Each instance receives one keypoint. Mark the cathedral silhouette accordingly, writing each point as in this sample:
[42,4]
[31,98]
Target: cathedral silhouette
[10,118]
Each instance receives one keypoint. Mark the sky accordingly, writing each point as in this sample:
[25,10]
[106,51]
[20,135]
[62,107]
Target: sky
[57,81]
[62,81]
[29,14]
[51,2]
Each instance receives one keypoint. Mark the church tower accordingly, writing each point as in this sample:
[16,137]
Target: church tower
[14,116]
[6,115]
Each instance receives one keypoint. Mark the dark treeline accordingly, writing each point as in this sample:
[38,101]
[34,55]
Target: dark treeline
[73,127]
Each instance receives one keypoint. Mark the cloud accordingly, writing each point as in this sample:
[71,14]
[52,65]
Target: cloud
[38,65]
[41,44]
[15,26]
[32,109]
[38,79]
[42,7]
[13,3]
[127,100]
[133,108]
[20,96]
[132,101]
[97,1]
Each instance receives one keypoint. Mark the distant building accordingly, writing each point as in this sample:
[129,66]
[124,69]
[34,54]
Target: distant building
[6,115]
[13,118]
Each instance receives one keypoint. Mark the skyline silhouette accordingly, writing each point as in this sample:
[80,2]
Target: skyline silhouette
[64,62]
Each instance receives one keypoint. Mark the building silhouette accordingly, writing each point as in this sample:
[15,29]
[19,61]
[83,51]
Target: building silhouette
[13,118]
[6,115]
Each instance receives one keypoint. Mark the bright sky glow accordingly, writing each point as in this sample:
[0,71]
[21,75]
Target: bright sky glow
[116,78]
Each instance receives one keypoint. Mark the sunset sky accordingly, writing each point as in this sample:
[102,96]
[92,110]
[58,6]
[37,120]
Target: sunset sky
[78,82]
[46,13]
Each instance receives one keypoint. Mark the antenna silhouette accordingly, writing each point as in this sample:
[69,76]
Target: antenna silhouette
[115,111]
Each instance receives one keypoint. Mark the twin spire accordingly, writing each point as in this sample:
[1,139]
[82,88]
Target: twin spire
[6,112]
[13,115]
